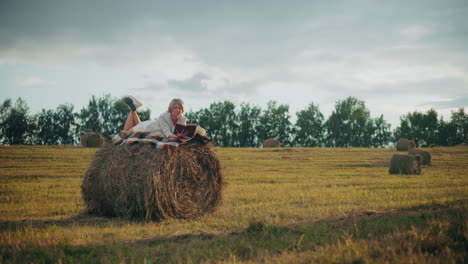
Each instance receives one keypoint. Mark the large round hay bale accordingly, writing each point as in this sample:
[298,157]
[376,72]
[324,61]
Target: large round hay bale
[424,154]
[144,181]
[404,144]
[92,140]
[106,141]
[271,143]
[405,164]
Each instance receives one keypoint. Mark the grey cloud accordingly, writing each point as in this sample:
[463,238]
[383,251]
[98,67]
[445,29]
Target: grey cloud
[152,87]
[451,87]
[194,84]
[197,85]
[248,36]
[225,33]
[252,44]
[41,20]
[460,102]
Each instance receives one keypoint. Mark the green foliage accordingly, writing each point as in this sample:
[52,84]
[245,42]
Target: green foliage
[4,108]
[423,128]
[309,127]
[45,124]
[222,124]
[55,127]
[447,134]
[106,113]
[381,134]
[105,116]
[66,122]
[274,123]
[89,118]
[228,127]
[15,124]
[349,125]
[219,120]
[249,120]
[459,122]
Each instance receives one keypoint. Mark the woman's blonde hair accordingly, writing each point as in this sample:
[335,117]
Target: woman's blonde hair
[176,101]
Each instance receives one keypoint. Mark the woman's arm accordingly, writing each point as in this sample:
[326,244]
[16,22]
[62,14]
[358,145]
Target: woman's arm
[165,124]
[183,121]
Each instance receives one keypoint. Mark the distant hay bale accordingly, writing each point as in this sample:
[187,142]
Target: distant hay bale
[106,140]
[92,140]
[142,181]
[271,143]
[426,156]
[405,164]
[404,144]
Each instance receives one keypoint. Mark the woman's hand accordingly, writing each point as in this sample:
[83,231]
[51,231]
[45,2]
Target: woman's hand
[177,136]
[172,138]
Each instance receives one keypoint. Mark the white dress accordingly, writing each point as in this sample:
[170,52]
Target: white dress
[163,125]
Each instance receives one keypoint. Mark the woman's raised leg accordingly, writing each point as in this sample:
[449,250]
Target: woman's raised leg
[132,120]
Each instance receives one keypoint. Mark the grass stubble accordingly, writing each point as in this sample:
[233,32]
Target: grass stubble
[284,205]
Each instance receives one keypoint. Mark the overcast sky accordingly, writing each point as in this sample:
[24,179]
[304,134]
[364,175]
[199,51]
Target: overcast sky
[397,56]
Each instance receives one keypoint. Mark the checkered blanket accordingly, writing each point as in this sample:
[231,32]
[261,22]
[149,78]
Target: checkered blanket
[146,137]
[153,138]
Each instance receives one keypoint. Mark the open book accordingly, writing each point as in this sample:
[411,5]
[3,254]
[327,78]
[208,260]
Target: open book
[188,131]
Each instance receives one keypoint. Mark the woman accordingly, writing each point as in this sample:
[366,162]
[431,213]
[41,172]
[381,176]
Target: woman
[164,125]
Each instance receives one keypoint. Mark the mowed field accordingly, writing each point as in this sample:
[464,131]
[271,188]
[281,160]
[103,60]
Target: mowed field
[282,205]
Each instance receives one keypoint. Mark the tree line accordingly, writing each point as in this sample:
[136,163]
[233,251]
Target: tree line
[349,125]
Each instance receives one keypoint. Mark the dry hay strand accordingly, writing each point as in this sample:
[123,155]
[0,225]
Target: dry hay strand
[426,156]
[142,181]
[92,140]
[405,164]
[106,141]
[404,144]
[271,143]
